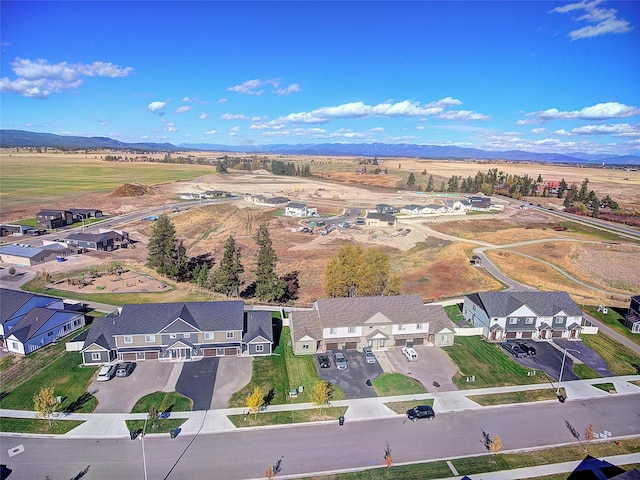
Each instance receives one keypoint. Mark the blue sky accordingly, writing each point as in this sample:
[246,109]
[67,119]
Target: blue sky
[551,76]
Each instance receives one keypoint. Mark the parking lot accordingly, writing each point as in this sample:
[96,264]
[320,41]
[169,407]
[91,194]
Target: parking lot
[353,380]
[434,370]
[548,359]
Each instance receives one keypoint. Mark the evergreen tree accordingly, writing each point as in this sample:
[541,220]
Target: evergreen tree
[430,184]
[227,278]
[268,286]
[562,188]
[583,194]
[178,266]
[411,181]
[443,186]
[163,257]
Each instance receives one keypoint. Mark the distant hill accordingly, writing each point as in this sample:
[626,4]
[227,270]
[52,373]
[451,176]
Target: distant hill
[21,138]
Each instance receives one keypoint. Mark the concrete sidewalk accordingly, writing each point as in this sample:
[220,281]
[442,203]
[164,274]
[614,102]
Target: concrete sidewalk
[104,425]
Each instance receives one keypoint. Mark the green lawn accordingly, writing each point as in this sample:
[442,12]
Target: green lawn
[160,426]
[612,319]
[488,363]
[621,360]
[454,313]
[584,371]
[285,418]
[389,384]
[31,425]
[517,397]
[606,387]
[173,402]
[69,380]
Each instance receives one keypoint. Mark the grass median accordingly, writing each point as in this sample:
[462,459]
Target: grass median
[288,417]
[33,425]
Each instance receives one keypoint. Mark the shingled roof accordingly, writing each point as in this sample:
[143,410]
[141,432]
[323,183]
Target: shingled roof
[544,304]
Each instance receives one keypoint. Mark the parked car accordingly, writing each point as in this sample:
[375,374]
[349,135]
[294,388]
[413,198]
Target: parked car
[368,355]
[421,411]
[106,373]
[124,369]
[410,353]
[340,361]
[513,349]
[527,348]
[324,362]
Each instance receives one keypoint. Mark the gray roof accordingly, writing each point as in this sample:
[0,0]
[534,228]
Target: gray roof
[258,324]
[101,332]
[11,301]
[305,323]
[276,200]
[31,252]
[381,216]
[544,304]
[354,311]
[438,319]
[93,237]
[296,205]
[412,206]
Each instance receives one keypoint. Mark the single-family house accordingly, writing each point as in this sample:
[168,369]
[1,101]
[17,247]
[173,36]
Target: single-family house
[378,322]
[29,321]
[515,315]
[29,256]
[50,219]
[455,205]
[178,332]
[293,209]
[436,208]
[380,219]
[190,196]
[632,317]
[384,208]
[479,203]
[413,209]
[84,213]
[275,201]
[103,241]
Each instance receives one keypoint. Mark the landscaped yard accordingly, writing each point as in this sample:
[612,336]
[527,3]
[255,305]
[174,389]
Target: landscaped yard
[389,384]
[613,319]
[488,364]
[164,401]
[68,378]
[621,360]
[31,425]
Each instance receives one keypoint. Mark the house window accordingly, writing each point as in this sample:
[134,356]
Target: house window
[352,329]
[513,321]
[333,331]
[128,339]
[305,346]
[150,338]
[186,335]
[15,345]
[558,319]
[208,335]
[95,356]
[402,326]
[381,342]
[172,335]
[229,335]
[259,348]
[529,320]
[444,338]
[419,326]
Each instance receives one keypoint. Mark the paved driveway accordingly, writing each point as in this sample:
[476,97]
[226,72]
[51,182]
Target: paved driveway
[197,381]
[233,374]
[586,356]
[434,369]
[353,380]
[549,360]
[119,395]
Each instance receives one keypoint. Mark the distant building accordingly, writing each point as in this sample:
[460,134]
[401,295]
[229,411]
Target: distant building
[30,256]
[632,317]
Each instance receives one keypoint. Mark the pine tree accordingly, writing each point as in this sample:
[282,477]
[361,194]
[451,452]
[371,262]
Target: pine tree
[411,181]
[583,194]
[268,286]
[562,188]
[227,278]
[430,184]
[162,246]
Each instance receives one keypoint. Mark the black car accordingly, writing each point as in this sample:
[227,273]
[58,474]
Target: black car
[514,349]
[324,362]
[421,411]
[527,348]
[124,369]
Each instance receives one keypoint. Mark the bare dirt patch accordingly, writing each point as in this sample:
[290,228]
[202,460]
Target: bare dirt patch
[129,281]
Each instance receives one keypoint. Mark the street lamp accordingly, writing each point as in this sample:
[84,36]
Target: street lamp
[144,457]
[564,357]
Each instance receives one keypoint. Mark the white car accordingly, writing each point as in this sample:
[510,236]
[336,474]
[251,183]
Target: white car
[410,353]
[106,373]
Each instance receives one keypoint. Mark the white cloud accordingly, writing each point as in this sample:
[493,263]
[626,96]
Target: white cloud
[156,106]
[210,132]
[462,115]
[235,129]
[186,99]
[183,109]
[170,127]
[376,129]
[39,79]
[222,100]
[537,131]
[203,116]
[603,20]
[255,87]
[618,130]
[230,116]
[600,111]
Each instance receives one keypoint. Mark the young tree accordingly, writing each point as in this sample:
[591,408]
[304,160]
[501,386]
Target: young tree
[12,271]
[227,278]
[388,457]
[255,401]
[154,415]
[496,445]
[589,436]
[269,472]
[45,403]
[268,286]
[321,394]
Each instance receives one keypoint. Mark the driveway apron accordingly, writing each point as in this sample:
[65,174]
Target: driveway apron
[197,381]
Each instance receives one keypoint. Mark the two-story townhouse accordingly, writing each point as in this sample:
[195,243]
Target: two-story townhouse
[178,332]
[515,315]
[106,240]
[355,322]
[632,317]
[293,209]
[50,219]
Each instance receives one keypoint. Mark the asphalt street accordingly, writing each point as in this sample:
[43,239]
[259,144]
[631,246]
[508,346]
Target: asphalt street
[318,447]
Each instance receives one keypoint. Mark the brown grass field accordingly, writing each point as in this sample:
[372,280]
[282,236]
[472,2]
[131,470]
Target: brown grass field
[433,267]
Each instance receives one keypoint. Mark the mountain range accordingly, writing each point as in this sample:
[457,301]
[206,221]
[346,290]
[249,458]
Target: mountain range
[25,139]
